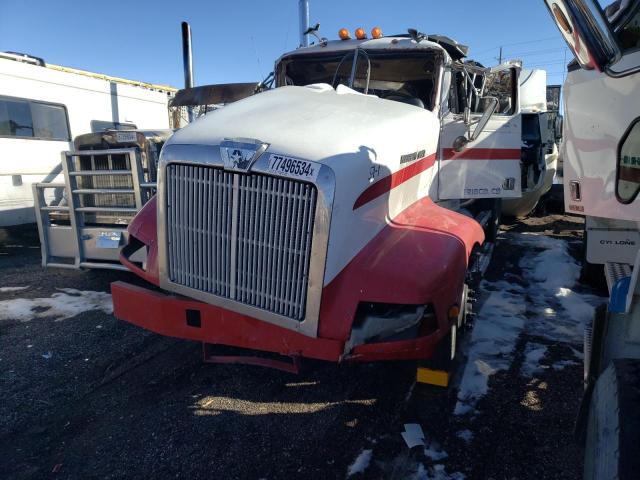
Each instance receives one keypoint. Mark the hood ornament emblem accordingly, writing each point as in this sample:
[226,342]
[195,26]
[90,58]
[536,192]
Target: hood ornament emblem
[240,154]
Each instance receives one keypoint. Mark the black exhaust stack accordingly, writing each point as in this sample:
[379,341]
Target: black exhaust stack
[187,58]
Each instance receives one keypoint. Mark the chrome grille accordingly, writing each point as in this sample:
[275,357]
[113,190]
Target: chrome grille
[245,237]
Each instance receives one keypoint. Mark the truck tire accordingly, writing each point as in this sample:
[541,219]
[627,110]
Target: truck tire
[493,227]
[612,449]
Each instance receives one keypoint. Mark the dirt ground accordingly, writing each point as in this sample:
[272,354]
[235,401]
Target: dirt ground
[92,397]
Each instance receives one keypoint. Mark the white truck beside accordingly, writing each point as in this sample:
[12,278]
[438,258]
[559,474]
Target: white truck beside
[601,153]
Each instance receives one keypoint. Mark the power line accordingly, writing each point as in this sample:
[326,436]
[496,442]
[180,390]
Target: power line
[542,64]
[517,43]
[537,52]
[550,59]
[514,56]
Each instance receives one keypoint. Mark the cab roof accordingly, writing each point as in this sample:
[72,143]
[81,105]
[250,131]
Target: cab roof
[393,42]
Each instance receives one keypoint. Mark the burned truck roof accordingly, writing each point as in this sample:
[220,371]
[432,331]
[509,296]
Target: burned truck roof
[454,49]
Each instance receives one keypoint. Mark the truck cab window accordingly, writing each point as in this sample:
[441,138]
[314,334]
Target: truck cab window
[403,77]
[30,119]
[628,184]
[629,33]
[501,85]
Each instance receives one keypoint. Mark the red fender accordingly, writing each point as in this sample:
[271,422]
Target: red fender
[143,230]
[420,257]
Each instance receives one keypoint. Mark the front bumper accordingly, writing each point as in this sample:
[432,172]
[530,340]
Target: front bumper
[193,320]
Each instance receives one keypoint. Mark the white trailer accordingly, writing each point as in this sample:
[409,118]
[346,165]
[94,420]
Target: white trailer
[43,107]
[601,152]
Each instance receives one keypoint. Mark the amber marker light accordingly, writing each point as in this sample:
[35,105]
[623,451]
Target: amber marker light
[376,32]
[360,34]
[343,33]
[454,312]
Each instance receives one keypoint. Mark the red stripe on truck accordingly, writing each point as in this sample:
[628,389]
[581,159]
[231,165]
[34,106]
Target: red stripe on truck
[390,182]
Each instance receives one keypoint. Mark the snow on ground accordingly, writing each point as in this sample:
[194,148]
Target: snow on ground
[434,451]
[496,330]
[542,302]
[361,463]
[533,353]
[11,289]
[466,435]
[68,303]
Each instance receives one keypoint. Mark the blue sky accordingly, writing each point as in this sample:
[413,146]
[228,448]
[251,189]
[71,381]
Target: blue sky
[239,40]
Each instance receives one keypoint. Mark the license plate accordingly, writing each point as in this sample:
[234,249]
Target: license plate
[293,167]
[109,240]
[126,137]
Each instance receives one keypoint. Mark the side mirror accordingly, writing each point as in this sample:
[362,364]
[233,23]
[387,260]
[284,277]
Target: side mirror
[490,109]
[491,104]
[557,127]
[553,98]
[587,32]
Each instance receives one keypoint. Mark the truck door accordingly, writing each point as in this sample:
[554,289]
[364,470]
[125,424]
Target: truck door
[481,162]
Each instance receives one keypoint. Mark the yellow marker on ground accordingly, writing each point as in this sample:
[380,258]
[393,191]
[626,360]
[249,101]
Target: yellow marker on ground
[439,378]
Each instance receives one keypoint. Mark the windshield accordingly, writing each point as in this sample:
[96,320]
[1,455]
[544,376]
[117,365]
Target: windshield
[407,77]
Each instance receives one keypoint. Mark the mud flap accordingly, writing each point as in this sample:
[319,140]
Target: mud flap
[437,370]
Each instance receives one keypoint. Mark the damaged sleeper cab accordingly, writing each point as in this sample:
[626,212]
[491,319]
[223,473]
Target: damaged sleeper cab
[329,217]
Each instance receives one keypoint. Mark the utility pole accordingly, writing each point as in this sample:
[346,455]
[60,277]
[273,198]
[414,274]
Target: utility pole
[500,58]
[303,14]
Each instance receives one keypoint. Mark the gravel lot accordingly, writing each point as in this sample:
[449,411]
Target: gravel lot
[91,397]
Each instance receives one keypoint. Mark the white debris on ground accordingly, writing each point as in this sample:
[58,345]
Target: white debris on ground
[11,289]
[547,307]
[361,463]
[414,436]
[60,306]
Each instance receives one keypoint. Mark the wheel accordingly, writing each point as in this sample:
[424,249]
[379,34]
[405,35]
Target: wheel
[493,225]
[612,449]
[462,317]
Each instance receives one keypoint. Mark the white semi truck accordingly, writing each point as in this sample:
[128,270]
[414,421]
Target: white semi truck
[339,215]
[601,153]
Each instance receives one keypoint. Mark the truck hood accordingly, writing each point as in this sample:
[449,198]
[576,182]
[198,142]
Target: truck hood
[315,123]
[363,140]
